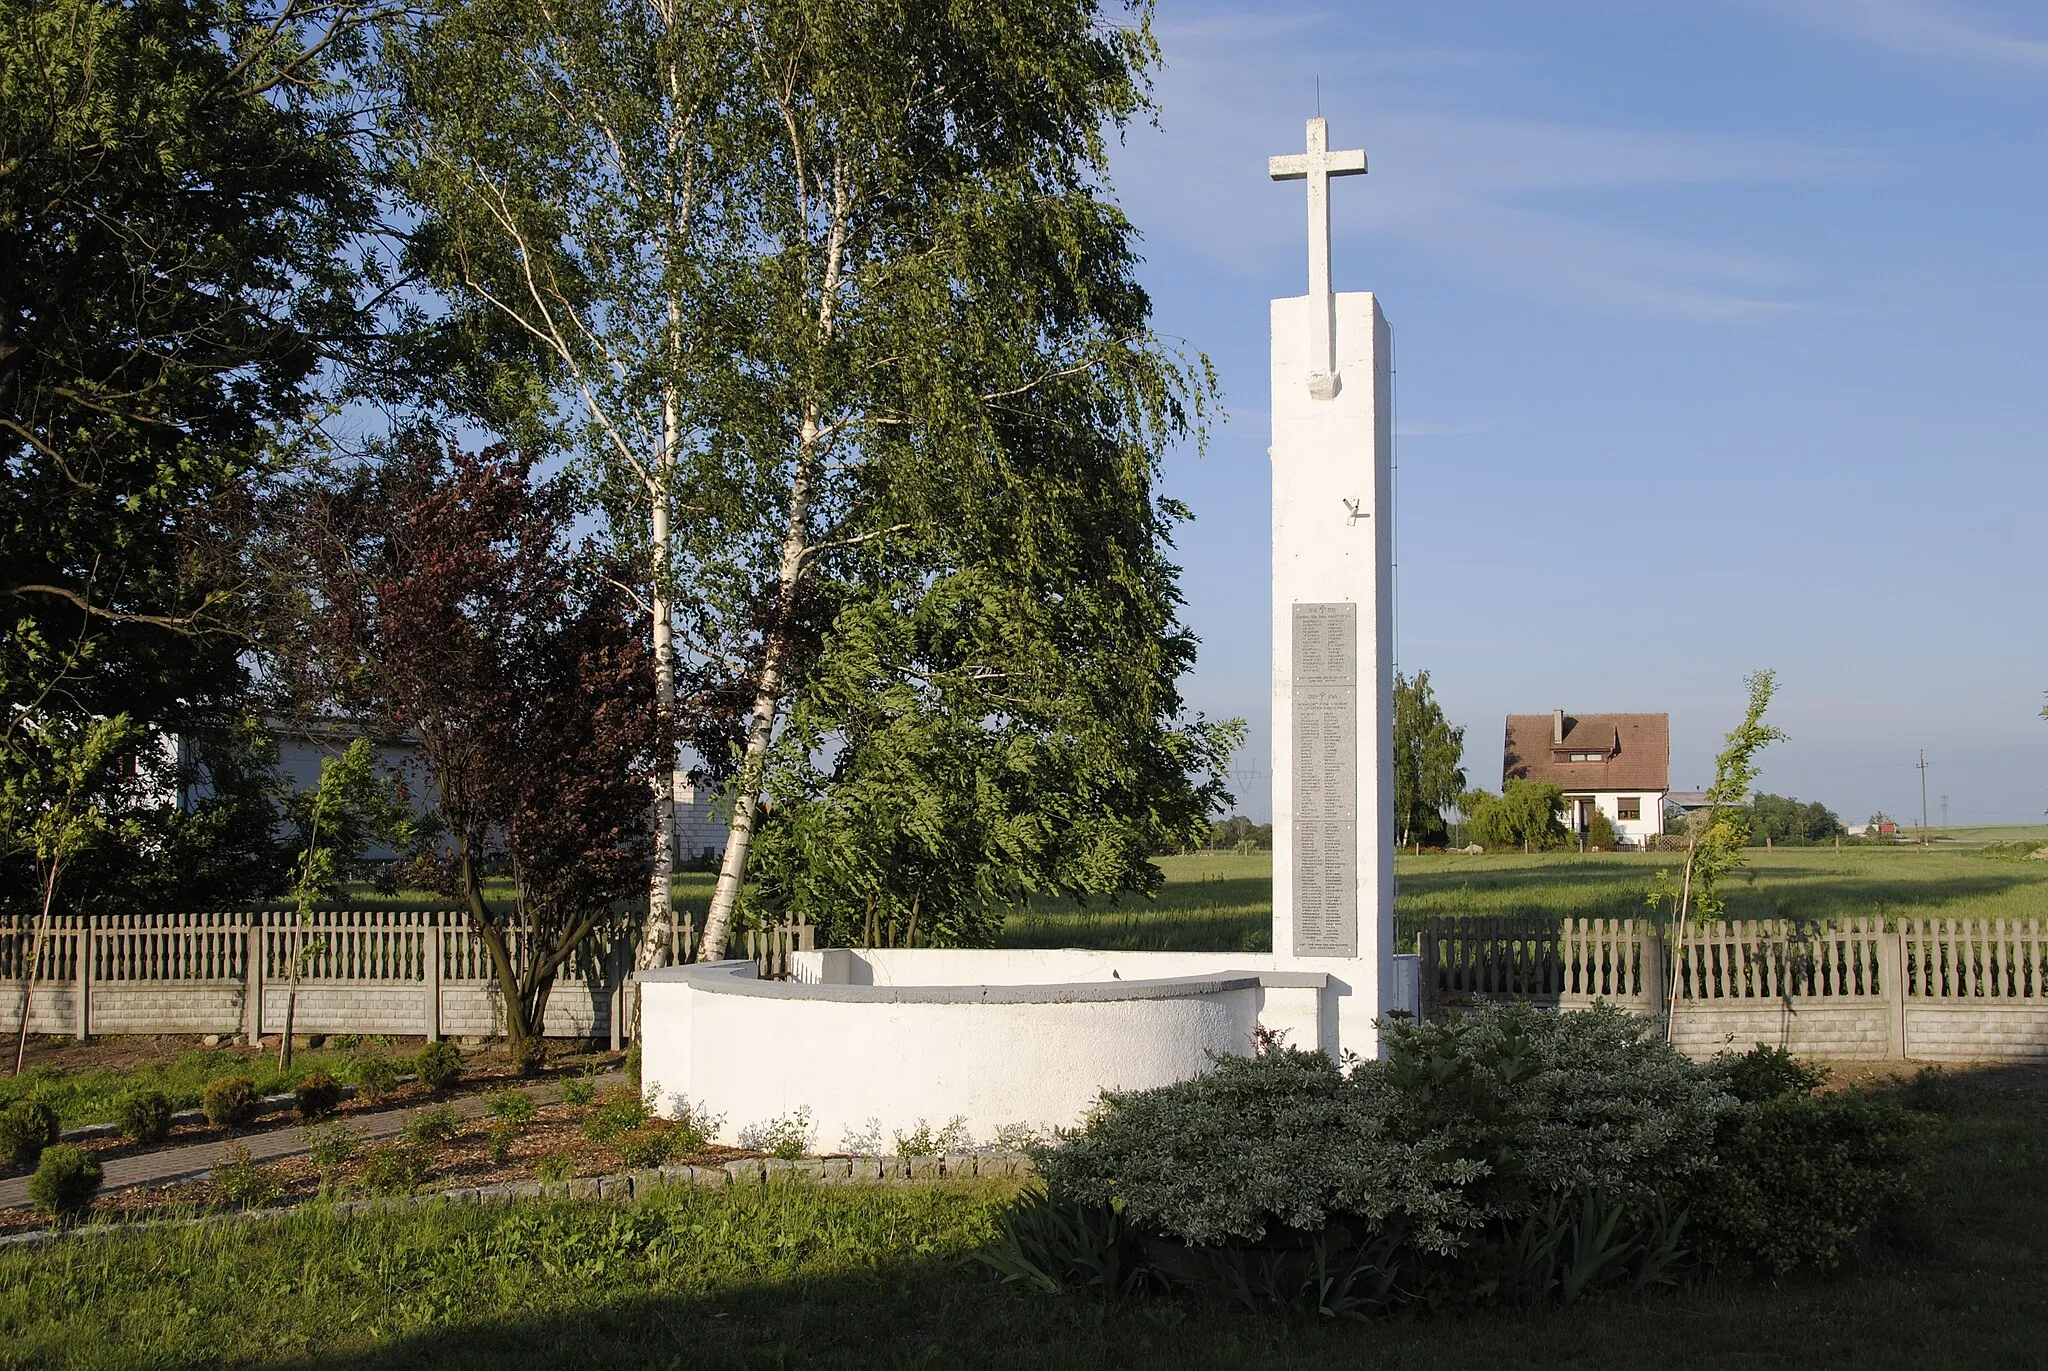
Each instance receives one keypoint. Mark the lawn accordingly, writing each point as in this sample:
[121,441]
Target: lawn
[1222,902]
[799,1275]
[81,1081]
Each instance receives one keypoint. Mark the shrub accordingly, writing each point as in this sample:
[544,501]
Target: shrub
[1803,1178]
[393,1168]
[1767,1073]
[1458,1126]
[616,1112]
[144,1116]
[529,1055]
[375,1076]
[511,1106]
[238,1182]
[651,1144]
[691,1128]
[499,1137]
[789,1137]
[922,1141]
[436,1125]
[330,1146]
[579,1090]
[65,1181]
[633,1065]
[318,1095]
[26,1128]
[230,1101]
[438,1066]
[556,1166]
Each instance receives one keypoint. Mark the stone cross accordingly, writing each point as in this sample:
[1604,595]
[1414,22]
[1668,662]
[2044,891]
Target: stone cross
[1317,166]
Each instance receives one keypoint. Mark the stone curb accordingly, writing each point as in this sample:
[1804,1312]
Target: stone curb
[624,1185]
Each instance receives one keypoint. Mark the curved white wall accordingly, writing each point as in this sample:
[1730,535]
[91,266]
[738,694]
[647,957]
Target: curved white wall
[887,1040]
[994,1056]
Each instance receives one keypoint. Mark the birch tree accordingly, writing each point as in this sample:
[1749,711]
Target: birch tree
[942,412]
[564,156]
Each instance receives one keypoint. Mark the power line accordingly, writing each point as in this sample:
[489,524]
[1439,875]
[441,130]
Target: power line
[1923,797]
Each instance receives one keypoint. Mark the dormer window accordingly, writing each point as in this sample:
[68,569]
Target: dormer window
[1589,757]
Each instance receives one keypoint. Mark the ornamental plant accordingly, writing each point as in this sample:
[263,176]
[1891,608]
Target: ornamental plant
[144,1116]
[65,1182]
[230,1101]
[438,1065]
[26,1128]
[317,1095]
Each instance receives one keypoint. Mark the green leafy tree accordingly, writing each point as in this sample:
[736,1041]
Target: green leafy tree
[1524,815]
[572,167]
[54,798]
[180,198]
[1717,834]
[1784,820]
[841,295]
[1428,777]
[946,410]
[349,808]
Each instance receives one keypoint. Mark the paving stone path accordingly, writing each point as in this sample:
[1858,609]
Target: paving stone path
[169,1164]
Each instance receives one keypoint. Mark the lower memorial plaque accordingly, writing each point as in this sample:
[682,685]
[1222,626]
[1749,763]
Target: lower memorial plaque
[1325,780]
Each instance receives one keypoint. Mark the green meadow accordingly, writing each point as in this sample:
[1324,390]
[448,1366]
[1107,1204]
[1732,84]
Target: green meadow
[1222,902]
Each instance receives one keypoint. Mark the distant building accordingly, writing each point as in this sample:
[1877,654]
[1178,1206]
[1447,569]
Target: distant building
[702,823]
[1613,764]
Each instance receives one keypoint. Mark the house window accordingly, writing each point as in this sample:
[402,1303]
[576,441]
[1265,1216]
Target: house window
[1589,756]
[1628,807]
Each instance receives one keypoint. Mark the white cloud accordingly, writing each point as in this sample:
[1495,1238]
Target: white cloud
[1497,198]
[1921,28]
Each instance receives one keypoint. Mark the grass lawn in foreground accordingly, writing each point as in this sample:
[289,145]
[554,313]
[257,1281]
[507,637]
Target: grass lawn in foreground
[799,1275]
[1222,902]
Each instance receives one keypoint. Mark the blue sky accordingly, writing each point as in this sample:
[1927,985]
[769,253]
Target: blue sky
[1720,342]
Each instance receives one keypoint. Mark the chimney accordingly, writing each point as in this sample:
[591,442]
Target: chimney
[1556,727]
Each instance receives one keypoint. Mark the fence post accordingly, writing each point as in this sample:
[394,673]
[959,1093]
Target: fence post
[84,970]
[433,935]
[617,998]
[1650,941]
[252,981]
[1425,949]
[1892,949]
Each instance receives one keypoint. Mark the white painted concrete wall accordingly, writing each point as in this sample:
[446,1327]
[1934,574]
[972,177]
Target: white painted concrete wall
[997,1038]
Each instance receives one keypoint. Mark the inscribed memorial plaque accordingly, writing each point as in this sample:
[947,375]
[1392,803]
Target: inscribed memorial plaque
[1326,780]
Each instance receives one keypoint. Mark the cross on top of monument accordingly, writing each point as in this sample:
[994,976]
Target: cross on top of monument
[1316,166]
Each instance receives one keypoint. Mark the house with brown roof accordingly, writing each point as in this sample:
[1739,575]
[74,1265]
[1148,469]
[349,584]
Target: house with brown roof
[1616,764]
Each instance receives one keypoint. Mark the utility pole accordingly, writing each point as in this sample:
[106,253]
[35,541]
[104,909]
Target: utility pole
[1923,797]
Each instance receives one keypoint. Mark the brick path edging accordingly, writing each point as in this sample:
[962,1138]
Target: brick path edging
[624,1185]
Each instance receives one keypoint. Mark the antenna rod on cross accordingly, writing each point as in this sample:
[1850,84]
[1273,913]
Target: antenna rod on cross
[1316,166]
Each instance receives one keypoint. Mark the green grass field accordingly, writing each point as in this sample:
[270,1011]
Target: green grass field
[84,1091]
[801,1276]
[1222,902]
